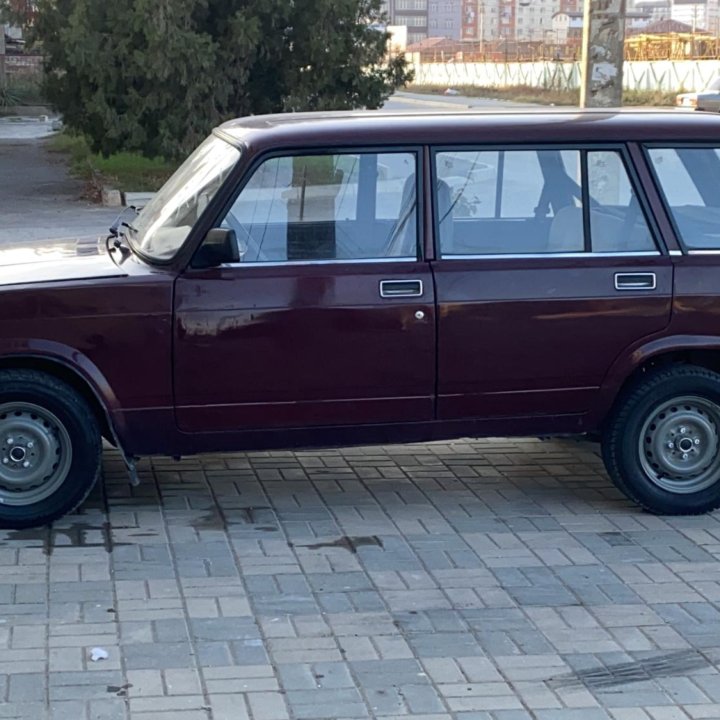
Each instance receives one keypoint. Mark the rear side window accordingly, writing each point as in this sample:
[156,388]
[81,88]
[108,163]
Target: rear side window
[508,202]
[689,179]
[346,206]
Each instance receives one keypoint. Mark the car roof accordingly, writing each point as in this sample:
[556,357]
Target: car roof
[377,128]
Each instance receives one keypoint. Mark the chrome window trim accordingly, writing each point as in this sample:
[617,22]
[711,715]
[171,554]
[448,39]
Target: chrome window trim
[703,252]
[532,256]
[676,253]
[294,263]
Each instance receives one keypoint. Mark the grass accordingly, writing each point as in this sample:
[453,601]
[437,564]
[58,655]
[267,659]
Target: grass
[543,96]
[128,172]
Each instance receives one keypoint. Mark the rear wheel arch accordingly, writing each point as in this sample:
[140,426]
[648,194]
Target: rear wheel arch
[633,369]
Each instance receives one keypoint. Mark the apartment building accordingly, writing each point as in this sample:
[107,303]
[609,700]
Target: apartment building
[523,20]
[445,18]
[413,14]
[698,15]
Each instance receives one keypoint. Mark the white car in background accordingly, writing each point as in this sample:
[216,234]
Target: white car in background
[708,99]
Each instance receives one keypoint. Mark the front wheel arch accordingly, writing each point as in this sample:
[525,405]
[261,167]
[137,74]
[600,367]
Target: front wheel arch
[73,379]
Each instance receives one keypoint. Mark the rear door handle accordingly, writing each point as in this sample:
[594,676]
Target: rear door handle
[635,281]
[401,288]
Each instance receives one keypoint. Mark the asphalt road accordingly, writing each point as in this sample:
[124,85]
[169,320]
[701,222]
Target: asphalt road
[39,200]
[417,102]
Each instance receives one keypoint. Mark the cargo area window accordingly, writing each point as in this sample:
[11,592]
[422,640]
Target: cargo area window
[689,179]
[520,202]
[340,207]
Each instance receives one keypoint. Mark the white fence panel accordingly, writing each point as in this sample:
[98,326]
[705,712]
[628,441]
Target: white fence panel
[664,75]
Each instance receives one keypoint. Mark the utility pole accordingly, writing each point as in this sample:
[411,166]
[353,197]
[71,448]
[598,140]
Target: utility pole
[481,24]
[603,53]
[3,76]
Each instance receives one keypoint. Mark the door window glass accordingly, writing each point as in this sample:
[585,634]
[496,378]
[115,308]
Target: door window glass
[617,222]
[689,179]
[348,206]
[509,202]
[512,202]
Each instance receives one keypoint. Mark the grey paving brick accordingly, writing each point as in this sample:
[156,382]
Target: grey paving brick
[326,704]
[27,688]
[158,656]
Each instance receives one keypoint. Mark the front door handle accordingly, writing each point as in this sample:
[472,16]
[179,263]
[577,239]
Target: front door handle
[401,288]
[635,281]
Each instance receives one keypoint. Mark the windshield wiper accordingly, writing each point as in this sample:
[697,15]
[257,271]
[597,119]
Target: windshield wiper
[120,222]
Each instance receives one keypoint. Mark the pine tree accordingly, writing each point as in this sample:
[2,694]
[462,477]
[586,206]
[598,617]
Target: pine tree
[156,75]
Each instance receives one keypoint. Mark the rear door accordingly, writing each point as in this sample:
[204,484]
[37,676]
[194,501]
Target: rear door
[547,269]
[329,317]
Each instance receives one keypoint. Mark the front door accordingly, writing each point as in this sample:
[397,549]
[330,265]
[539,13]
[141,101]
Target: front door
[548,270]
[329,317]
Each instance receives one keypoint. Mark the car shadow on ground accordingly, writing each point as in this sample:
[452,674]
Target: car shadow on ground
[463,486]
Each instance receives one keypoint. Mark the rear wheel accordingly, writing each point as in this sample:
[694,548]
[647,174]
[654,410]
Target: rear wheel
[662,444]
[50,449]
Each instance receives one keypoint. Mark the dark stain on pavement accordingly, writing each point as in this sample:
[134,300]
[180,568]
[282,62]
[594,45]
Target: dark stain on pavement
[72,535]
[346,542]
[119,690]
[642,670]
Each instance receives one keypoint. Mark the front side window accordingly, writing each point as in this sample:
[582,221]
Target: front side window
[689,179]
[347,206]
[518,202]
[164,224]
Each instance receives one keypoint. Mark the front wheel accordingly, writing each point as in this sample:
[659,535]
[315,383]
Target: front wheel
[661,446]
[50,449]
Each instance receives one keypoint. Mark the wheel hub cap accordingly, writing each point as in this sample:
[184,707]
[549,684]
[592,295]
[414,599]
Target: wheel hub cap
[35,453]
[679,445]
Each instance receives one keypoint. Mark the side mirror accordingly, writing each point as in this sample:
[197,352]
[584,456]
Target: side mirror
[219,247]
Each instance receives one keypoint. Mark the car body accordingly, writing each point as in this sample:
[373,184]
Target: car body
[707,99]
[312,280]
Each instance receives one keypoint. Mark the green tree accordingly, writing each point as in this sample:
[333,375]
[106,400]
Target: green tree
[155,75]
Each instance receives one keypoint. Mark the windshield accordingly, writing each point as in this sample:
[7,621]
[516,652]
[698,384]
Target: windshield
[165,222]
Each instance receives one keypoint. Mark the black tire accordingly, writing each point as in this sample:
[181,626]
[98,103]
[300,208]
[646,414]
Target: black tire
[49,438]
[655,477]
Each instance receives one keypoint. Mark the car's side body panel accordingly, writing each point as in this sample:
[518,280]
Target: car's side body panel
[301,346]
[536,336]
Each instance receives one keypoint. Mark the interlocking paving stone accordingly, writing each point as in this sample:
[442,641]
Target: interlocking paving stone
[470,580]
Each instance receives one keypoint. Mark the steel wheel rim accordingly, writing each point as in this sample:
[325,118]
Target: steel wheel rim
[679,445]
[35,454]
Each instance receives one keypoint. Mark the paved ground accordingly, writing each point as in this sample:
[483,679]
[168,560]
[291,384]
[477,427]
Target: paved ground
[38,199]
[501,580]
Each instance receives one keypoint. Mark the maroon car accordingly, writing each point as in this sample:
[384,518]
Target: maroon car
[331,279]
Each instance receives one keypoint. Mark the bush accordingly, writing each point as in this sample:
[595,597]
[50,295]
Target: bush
[126,171]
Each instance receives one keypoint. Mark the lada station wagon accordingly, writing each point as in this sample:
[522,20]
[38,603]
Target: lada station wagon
[313,280]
